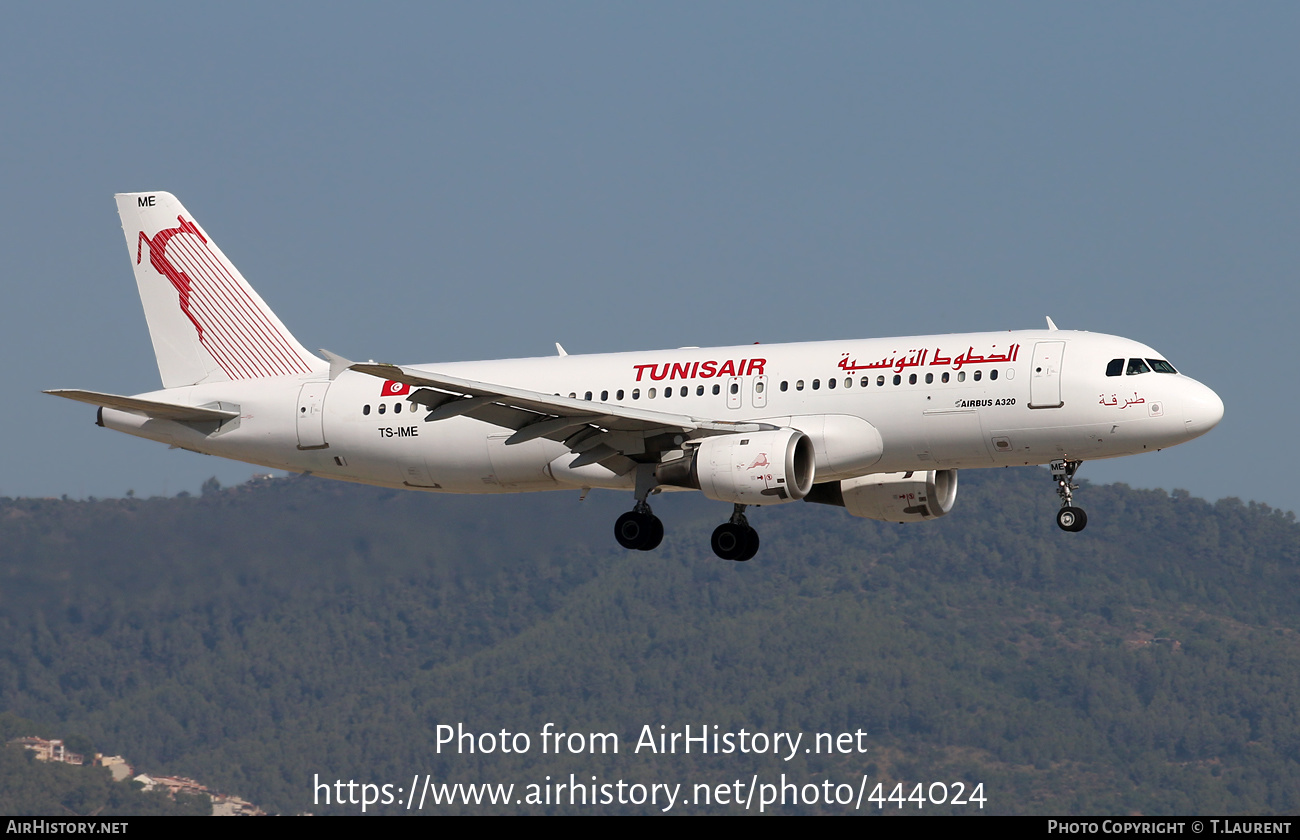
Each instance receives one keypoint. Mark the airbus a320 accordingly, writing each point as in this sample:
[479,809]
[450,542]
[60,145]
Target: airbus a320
[878,426]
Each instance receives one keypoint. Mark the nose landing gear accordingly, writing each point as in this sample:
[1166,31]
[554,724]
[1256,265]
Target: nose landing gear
[735,539]
[1069,517]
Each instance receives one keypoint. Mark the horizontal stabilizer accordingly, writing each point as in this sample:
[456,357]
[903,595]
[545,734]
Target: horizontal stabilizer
[149,408]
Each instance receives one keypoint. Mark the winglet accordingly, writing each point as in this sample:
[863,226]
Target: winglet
[338,364]
[1050,325]
[560,349]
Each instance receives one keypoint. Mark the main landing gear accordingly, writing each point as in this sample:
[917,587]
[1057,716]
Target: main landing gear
[735,539]
[639,529]
[1069,517]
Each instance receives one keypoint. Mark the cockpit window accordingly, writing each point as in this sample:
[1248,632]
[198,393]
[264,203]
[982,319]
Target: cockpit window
[1136,366]
[1161,366]
[1115,367]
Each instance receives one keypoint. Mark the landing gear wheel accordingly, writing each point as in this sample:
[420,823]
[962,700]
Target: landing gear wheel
[733,541]
[751,547]
[1071,518]
[656,534]
[638,531]
[730,540]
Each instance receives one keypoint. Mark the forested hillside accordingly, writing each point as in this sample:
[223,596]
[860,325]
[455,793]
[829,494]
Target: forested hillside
[261,635]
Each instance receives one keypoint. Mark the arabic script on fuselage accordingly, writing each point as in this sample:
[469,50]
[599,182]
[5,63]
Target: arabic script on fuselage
[898,362]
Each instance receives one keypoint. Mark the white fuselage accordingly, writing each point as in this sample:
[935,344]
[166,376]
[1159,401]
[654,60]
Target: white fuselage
[870,406]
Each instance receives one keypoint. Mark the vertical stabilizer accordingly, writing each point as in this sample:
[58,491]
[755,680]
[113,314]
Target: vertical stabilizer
[206,322]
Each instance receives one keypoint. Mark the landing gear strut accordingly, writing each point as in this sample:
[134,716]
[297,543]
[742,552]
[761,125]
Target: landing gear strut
[639,529]
[1069,517]
[735,539]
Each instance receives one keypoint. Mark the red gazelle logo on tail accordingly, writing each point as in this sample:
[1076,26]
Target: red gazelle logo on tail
[231,321]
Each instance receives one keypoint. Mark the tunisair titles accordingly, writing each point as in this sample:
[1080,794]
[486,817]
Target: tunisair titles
[897,362]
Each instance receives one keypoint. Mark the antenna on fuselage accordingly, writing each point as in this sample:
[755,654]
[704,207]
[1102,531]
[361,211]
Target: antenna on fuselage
[1050,325]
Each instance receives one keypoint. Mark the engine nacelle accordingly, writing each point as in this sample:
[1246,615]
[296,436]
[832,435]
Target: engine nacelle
[892,497]
[753,468]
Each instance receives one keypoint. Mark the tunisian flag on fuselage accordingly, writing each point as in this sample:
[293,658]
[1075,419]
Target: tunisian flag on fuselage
[393,388]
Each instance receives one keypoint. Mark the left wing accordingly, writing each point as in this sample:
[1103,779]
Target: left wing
[598,432]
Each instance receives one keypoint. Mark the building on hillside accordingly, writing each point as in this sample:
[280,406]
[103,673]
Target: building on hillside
[173,785]
[116,765]
[233,806]
[49,750]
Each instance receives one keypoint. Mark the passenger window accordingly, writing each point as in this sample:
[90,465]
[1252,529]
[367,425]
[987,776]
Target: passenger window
[619,395]
[880,381]
[898,380]
[817,384]
[604,396]
[397,409]
[636,393]
[785,386]
[735,388]
[699,391]
[866,382]
[848,382]
[1136,366]
[945,376]
[977,375]
[587,397]
[685,390]
[993,376]
[668,392]
[651,394]
[961,376]
[798,385]
[382,406]
[758,387]
[573,395]
[830,384]
[1115,367]
[929,378]
[911,379]
[717,389]
[1161,366]
[365,409]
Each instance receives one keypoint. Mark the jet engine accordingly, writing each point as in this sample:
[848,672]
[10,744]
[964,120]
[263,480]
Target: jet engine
[892,497]
[753,468]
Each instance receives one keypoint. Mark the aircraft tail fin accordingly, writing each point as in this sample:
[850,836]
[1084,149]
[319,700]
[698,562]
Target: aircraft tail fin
[206,322]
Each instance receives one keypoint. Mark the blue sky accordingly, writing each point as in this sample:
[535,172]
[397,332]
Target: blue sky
[436,182]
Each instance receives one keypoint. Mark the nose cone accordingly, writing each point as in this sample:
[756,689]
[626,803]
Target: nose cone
[1203,409]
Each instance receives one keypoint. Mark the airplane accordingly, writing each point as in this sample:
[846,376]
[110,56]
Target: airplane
[879,427]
